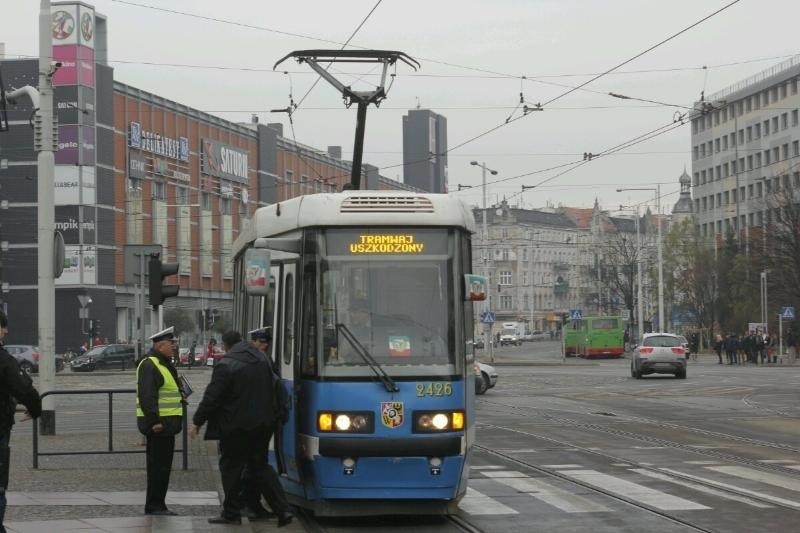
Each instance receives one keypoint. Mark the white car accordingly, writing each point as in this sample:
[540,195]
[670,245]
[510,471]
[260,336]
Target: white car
[485,377]
[659,353]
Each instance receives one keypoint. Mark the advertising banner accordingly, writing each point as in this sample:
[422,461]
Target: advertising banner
[74,185]
[223,161]
[73,24]
[77,65]
[68,144]
[79,266]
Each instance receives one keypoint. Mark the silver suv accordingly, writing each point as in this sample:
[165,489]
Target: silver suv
[659,353]
[28,357]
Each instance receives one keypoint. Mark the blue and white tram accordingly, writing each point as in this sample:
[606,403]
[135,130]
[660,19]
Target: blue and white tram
[370,299]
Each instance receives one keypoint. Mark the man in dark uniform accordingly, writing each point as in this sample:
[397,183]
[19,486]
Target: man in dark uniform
[159,413]
[15,385]
[238,405]
[269,485]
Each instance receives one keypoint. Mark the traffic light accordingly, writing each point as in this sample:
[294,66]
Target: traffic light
[158,271]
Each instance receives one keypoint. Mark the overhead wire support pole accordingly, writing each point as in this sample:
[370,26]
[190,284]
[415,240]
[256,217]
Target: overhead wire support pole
[362,98]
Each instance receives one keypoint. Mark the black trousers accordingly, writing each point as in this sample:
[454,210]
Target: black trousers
[248,448]
[160,451]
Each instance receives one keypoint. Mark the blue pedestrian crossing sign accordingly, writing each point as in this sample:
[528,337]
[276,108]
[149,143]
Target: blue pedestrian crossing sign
[787,313]
[576,314]
[487,317]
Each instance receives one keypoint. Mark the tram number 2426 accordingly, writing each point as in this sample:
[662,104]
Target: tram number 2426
[434,389]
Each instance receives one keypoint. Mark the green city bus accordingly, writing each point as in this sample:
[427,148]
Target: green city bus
[595,336]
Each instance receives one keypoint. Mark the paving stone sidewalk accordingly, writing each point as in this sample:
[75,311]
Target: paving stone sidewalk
[105,492]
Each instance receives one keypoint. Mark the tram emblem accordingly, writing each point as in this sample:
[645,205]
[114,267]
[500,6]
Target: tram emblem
[392,414]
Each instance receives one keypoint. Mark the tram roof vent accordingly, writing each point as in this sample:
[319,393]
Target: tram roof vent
[386,204]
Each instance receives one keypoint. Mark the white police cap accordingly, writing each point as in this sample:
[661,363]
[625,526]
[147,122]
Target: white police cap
[164,335]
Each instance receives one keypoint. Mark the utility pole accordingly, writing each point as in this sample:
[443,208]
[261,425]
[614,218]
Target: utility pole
[662,319]
[485,240]
[44,139]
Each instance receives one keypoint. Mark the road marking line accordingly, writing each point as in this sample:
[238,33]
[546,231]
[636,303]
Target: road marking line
[477,503]
[503,474]
[634,491]
[624,465]
[702,462]
[757,494]
[700,488]
[486,467]
[562,466]
[776,480]
[550,494]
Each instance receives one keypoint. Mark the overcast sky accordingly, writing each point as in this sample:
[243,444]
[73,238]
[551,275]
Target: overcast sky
[491,45]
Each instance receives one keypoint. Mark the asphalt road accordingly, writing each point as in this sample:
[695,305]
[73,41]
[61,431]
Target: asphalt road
[582,446]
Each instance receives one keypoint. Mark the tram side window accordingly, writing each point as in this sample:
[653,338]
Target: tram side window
[288,318]
[309,317]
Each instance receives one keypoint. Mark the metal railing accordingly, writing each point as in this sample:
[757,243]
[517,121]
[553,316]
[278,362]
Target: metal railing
[184,450]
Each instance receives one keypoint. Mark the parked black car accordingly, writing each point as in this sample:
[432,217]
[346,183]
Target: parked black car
[118,356]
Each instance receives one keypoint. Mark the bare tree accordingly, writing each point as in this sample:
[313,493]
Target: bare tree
[691,273]
[618,268]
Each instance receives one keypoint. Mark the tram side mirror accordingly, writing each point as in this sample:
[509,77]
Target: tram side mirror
[474,288]
[256,272]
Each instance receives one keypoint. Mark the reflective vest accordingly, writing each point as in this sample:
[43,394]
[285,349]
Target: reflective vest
[169,397]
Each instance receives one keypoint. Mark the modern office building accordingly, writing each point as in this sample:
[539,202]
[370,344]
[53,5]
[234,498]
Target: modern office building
[745,152]
[135,168]
[425,150]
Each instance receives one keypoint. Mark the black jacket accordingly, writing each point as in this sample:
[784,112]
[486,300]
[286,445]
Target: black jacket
[239,395]
[15,386]
[148,382]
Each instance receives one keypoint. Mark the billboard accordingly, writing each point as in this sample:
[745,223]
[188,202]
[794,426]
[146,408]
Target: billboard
[80,266]
[76,145]
[223,161]
[74,185]
[72,24]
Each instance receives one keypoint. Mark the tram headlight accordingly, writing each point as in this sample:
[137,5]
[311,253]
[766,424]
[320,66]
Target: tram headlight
[342,422]
[345,422]
[438,421]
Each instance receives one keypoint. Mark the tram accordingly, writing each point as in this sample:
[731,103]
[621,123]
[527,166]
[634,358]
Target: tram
[369,295]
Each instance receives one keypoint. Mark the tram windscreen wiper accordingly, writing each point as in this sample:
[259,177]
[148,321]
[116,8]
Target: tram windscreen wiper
[387,381]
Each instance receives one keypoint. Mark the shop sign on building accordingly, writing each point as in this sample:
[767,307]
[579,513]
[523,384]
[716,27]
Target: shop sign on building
[137,166]
[158,144]
[223,161]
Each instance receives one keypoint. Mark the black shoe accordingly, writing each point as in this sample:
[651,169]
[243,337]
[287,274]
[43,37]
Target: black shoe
[284,519]
[262,517]
[162,512]
[224,520]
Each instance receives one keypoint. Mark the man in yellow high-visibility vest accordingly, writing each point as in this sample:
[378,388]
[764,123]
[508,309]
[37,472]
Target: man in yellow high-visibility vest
[159,415]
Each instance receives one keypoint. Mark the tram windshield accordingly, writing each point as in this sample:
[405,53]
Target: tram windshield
[390,294]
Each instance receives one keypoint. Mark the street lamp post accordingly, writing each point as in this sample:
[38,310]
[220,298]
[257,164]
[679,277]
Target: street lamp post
[485,241]
[657,189]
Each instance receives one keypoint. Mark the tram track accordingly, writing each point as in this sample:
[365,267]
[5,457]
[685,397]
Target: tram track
[555,474]
[659,441]
[770,467]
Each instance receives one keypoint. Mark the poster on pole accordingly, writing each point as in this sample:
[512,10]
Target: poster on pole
[757,327]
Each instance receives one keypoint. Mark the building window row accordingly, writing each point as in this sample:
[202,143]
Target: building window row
[745,105]
[761,188]
[748,134]
[760,159]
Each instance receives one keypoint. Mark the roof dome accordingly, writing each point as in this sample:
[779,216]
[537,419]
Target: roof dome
[685,178]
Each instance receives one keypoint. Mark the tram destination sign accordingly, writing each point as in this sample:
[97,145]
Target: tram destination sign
[387,242]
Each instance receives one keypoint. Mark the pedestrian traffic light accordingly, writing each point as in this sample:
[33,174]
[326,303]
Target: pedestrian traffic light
[158,271]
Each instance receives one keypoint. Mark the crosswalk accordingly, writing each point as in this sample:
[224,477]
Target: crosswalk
[693,486]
